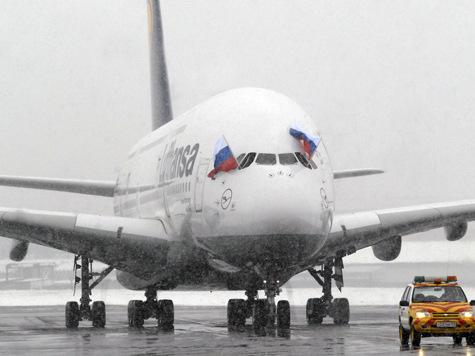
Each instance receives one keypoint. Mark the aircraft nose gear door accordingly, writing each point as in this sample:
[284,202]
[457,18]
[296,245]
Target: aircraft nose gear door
[200,183]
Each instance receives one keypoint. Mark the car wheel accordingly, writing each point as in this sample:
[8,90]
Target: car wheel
[471,338]
[415,336]
[403,336]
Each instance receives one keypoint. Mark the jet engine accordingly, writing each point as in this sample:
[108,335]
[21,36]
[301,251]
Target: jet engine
[388,249]
[19,250]
[455,231]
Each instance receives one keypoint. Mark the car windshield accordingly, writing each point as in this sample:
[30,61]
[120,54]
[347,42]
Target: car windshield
[425,294]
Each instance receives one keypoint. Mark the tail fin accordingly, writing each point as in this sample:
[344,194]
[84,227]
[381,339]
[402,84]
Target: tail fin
[161,103]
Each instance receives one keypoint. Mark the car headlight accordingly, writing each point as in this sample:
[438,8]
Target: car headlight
[467,314]
[422,314]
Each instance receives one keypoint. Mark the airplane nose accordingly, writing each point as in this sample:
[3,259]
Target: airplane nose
[282,204]
[278,218]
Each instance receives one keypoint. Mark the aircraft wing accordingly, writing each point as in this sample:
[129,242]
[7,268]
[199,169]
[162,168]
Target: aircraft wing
[124,243]
[90,187]
[382,229]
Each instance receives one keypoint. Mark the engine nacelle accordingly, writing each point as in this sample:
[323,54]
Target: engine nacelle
[456,231]
[19,250]
[389,249]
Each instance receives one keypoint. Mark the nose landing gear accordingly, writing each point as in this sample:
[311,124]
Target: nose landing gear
[318,308]
[263,311]
[162,310]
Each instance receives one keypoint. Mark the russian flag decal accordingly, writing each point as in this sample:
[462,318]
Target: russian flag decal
[224,160]
[309,142]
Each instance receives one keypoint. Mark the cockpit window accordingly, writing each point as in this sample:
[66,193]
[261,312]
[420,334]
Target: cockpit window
[303,160]
[267,159]
[287,159]
[247,161]
[240,157]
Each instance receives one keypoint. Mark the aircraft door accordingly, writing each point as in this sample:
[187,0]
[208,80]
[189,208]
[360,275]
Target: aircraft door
[162,187]
[165,202]
[200,183]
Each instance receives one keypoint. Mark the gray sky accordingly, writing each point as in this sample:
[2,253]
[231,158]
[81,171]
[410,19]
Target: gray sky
[389,83]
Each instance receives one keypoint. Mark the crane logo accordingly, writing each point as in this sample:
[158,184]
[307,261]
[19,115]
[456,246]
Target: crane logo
[226,198]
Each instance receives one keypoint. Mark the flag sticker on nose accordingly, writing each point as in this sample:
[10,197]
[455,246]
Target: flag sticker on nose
[310,142]
[224,160]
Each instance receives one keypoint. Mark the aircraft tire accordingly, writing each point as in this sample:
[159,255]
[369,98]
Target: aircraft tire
[259,317]
[166,317]
[72,315]
[315,311]
[231,312]
[135,313]
[283,314]
[98,311]
[341,311]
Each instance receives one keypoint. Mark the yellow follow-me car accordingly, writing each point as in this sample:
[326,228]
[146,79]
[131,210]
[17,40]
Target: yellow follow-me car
[432,306]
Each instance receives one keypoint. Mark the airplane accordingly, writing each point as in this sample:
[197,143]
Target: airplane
[248,229]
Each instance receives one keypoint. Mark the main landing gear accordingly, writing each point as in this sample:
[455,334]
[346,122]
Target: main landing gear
[138,310]
[338,308]
[84,311]
[162,310]
[264,312]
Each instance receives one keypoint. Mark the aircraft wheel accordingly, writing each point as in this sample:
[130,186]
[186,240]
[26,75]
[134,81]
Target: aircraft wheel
[341,311]
[166,317]
[135,313]
[72,314]
[315,311]
[240,312]
[237,310]
[403,336]
[283,314]
[231,312]
[98,311]
[259,317]
[415,336]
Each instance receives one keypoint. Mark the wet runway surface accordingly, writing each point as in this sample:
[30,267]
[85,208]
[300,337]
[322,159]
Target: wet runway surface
[203,331]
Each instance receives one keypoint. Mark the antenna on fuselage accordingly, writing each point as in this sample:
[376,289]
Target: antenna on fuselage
[161,103]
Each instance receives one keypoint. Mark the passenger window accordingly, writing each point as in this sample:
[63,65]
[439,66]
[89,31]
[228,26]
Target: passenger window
[267,159]
[303,160]
[287,159]
[247,161]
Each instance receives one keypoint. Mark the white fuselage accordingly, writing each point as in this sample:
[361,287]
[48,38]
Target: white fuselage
[268,217]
